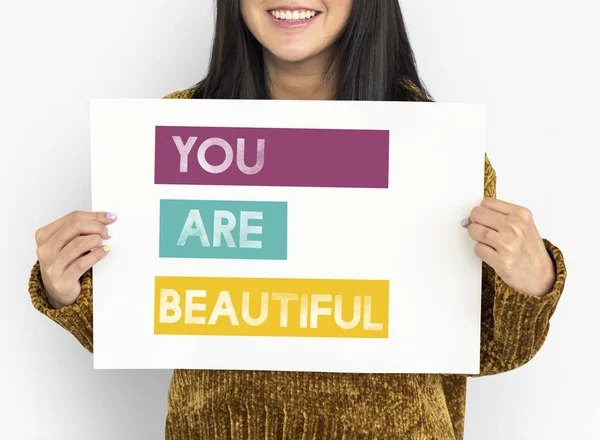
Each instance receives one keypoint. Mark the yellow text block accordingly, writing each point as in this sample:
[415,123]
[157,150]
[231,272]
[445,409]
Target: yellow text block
[271,307]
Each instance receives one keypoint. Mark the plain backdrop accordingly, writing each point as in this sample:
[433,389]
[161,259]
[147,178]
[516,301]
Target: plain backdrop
[534,64]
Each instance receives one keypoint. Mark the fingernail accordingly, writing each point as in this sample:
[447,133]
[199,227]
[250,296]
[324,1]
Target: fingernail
[465,221]
[108,232]
[106,248]
[111,216]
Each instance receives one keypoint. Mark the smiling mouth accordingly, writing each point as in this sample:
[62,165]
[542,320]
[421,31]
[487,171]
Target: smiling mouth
[293,15]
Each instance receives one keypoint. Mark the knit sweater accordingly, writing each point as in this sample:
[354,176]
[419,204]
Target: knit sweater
[215,404]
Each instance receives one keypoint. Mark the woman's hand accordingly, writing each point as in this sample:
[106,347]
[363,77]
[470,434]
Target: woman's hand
[508,240]
[67,248]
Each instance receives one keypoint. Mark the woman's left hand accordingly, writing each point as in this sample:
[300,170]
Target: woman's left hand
[508,240]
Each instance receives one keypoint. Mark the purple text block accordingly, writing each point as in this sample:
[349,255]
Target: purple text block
[272,157]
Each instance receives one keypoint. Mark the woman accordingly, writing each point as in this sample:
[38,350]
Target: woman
[324,49]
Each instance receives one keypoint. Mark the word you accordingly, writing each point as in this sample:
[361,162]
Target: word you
[185,148]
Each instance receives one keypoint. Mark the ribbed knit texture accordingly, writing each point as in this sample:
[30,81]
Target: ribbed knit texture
[209,404]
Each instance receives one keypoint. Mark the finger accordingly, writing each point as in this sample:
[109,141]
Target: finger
[77,227]
[43,234]
[499,205]
[78,267]
[76,248]
[487,254]
[487,217]
[484,235]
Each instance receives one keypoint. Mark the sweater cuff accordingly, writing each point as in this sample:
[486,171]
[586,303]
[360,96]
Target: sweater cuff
[76,318]
[521,321]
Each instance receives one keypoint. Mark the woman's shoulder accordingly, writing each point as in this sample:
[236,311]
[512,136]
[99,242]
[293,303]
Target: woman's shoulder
[180,94]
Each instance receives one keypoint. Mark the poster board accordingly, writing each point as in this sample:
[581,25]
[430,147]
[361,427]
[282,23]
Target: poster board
[287,235]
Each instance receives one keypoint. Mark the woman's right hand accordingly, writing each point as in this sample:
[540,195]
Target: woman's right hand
[67,248]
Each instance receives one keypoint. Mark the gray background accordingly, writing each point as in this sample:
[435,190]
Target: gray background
[533,63]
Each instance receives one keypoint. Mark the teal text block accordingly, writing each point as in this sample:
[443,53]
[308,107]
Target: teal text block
[243,230]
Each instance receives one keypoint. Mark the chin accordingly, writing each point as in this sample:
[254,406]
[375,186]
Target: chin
[293,54]
[292,57]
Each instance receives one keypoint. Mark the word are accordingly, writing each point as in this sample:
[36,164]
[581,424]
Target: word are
[238,229]
[223,224]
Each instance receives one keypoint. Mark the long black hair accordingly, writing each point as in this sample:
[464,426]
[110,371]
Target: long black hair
[373,59]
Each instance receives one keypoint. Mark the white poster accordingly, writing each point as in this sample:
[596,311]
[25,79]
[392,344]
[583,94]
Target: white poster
[288,235]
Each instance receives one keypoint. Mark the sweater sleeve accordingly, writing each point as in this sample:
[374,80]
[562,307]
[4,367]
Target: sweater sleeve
[76,318]
[514,325]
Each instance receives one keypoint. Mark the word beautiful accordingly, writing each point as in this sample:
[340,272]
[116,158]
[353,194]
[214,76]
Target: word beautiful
[271,307]
[258,230]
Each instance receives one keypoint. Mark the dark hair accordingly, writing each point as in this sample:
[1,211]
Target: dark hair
[373,58]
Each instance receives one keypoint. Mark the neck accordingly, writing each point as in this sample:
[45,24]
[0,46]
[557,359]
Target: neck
[298,80]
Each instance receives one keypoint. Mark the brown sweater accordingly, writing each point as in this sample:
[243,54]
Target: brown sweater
[209,404]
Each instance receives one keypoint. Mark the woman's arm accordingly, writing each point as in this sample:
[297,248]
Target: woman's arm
[76,318]
[514,325]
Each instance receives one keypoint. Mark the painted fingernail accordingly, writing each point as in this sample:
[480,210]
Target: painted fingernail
[108,232]
[106,248]
[111,216]
[465,221]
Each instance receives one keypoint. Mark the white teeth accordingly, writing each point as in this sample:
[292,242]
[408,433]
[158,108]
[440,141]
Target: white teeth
[293,15]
